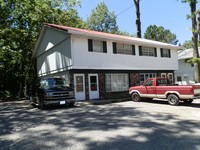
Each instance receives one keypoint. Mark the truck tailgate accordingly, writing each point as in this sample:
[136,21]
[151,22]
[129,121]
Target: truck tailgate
[196,90]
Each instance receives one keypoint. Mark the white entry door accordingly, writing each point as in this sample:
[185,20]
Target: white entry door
[93,86]
[79,85]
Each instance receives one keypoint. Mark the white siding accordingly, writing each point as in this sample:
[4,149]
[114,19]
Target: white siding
[83,59]
[185,71]
[54,53]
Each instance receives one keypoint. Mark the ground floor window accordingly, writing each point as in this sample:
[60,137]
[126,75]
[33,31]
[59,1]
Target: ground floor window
[144,76]
[179,78]
[116,82]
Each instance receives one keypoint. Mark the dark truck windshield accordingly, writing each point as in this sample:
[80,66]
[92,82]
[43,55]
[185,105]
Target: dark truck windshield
[52,82]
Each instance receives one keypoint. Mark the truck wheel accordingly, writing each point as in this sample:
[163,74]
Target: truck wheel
[136,97]
[31,101]
[173,99]
[71,104]
[42,105]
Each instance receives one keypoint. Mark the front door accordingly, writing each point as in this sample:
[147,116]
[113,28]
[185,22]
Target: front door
[93,86]
[79,85]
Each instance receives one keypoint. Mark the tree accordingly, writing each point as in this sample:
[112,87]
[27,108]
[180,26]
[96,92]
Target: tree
[126,33]
[160,34]
[195,32]
[19,25]
[187,44]
[102,20]
[138,23]
[199,25]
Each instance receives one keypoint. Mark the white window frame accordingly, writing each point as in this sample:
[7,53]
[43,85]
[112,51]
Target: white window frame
[148,51]
[165,52]
[97,46]
[116,82]
[124,49]
[144,76]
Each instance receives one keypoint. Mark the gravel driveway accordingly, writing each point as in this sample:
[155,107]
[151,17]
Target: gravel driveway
[117,126]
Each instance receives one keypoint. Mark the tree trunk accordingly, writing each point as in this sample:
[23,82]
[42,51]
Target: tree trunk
[195,39]
[199,25]
[138,23]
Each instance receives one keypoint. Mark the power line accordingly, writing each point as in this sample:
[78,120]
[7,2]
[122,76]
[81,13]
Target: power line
[125,10]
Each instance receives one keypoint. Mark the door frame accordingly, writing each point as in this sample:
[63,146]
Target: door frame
[93,94]
[79,95]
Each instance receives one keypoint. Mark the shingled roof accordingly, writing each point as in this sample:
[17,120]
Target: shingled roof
[102,35]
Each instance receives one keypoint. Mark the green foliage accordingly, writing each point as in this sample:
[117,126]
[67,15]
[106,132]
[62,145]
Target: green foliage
[19,28]
[102,20]
[194,60]
[126,33]
[188,44]
[160,34]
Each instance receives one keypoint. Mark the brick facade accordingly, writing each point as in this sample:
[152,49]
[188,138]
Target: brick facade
[134,79]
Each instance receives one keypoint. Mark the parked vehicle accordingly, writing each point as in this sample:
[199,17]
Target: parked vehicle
[51,91]
[160,88]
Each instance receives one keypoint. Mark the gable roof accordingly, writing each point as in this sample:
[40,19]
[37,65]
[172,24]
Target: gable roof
[107,36]
[186,53]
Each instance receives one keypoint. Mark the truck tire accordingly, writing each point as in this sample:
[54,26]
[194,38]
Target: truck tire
[42,105]
[71,104]
[30,101]
[135,97]
[173,99]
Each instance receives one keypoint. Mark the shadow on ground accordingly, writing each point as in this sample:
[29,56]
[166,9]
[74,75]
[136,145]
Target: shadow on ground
[96,127]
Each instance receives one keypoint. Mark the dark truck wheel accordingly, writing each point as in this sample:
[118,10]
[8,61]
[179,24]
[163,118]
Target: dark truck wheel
[135,97]
[42,105]
[31,101]
[173,99]
[71,104]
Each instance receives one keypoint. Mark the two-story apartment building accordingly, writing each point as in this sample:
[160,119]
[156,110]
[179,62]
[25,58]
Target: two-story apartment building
[101,65]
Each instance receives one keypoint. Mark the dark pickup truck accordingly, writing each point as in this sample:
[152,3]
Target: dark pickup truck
[51,91]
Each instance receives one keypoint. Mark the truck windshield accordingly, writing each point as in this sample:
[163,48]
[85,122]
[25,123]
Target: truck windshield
[52,82]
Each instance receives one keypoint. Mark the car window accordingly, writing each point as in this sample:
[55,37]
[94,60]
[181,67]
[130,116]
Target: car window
[51,82]
[149,83]
[162,82]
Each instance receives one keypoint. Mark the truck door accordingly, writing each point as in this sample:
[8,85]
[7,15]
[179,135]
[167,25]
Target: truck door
[150,88]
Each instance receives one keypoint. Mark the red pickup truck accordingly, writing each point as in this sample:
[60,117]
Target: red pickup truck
[160,88]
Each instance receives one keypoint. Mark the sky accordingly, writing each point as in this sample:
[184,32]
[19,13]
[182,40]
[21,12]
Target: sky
[171,14]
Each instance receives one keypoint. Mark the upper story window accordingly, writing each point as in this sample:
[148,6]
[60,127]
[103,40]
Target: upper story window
[97,46]
[165,52]
[120,48]
[147,51]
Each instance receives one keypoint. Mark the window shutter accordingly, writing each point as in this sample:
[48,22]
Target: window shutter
[161,52]
[169,53]
[104,47]
[155,50]
[114,48]
[90,45]
[140,50]
[133,49]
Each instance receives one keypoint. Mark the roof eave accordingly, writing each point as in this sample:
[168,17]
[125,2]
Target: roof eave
[134,40]
[39,40]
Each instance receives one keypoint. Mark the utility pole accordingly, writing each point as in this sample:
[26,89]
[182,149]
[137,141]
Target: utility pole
[199,25]
[138,23]
[195,39]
